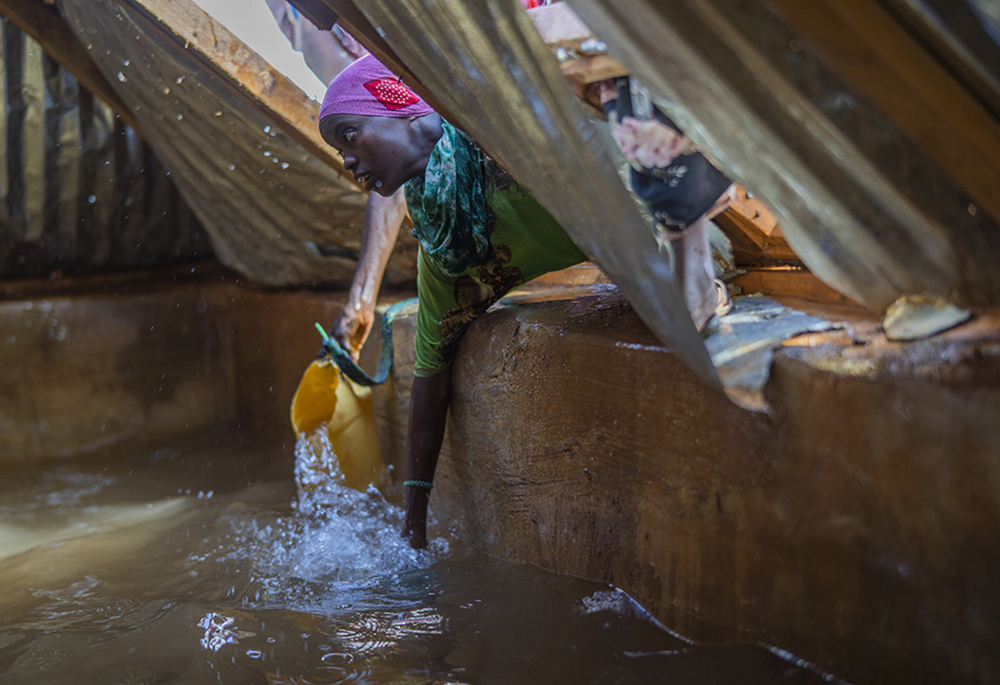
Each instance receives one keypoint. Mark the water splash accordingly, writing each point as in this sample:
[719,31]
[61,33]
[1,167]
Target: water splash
[336,534]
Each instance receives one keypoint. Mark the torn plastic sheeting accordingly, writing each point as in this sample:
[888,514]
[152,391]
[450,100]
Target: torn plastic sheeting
[742,345]
[486,64]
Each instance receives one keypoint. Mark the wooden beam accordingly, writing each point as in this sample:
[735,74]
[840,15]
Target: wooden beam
[566,34]
[43,23]
[268,90]
[788,281]
[754,232]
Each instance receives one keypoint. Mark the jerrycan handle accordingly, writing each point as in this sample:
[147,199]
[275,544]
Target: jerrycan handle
[348,366]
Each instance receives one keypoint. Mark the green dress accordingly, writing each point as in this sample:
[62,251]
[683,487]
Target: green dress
[481,235]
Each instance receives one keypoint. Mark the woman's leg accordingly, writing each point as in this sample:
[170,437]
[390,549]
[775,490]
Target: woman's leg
[694,269]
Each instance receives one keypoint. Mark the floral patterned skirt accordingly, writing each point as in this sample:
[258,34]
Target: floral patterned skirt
[676,182]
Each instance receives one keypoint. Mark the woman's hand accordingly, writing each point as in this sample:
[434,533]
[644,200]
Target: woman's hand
[415,526]
[352,326]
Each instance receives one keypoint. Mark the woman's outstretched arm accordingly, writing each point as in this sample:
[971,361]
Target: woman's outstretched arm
[383,217]
[429,400]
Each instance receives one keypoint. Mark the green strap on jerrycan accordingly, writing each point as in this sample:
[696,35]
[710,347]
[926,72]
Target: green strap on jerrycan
[349,367]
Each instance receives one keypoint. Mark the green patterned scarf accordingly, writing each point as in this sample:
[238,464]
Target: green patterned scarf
[448,205]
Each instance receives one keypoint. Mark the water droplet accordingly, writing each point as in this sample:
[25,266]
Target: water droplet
[284,165]
[91,199]
[232,167]
[126,63]
[180,117]
[179,79]
[121,77]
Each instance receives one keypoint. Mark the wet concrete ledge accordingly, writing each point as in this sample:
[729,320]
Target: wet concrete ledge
[855,527]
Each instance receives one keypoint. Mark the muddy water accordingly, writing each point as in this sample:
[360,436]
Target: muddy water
[201,564]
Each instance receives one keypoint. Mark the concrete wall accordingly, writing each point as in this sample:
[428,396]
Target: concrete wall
[85,372]
[856,526]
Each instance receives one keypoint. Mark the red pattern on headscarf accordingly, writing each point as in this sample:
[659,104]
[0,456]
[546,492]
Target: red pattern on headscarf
[391,93]
[367,87]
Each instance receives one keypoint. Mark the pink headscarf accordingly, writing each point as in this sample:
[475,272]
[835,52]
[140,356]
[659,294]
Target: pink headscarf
[367,87]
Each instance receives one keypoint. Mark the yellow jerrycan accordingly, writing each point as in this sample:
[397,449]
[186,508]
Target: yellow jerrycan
[335,391]
[326,396]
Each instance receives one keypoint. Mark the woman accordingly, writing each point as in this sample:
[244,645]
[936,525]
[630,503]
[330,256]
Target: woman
[480,235]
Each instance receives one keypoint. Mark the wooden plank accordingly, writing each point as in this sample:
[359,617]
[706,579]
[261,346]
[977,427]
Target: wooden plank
[42,22]
[754,232]
[788,281]
[565,34]
[591,69]
[559,26]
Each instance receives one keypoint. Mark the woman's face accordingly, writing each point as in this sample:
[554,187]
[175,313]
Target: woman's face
[382,152]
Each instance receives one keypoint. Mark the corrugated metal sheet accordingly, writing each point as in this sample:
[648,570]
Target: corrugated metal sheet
[79,191]
[876,160]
